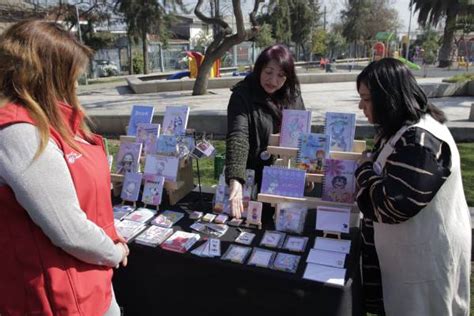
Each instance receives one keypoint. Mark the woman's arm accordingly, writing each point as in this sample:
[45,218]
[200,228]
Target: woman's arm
[45,189]
[237,140]
[412,176]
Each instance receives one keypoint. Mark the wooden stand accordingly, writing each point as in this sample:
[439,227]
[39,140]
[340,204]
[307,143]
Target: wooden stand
[288,154]
[327,233]
[175,190]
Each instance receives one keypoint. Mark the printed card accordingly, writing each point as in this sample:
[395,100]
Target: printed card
[295,243]
[261,258]
[286,262]
[333,219]
[272,239]
[237,254]
[331,244]
[245,238]
[325,274]
[327,258]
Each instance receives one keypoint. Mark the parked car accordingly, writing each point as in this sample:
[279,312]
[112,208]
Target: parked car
[106,68]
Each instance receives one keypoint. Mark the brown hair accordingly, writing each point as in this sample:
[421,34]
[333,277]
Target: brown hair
[40,64]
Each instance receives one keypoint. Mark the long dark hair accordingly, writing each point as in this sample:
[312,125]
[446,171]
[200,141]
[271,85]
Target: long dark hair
[397,99]
[279,53]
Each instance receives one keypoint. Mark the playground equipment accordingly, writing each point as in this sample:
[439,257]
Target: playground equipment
[196,59]
[381,49]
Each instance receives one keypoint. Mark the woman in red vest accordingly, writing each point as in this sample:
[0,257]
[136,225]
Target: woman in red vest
[58,243]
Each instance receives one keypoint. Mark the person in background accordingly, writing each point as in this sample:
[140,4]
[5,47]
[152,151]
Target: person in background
[416,227]
[254,113]
[58,241]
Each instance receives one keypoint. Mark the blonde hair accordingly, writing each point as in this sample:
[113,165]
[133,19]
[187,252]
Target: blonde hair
[40,65]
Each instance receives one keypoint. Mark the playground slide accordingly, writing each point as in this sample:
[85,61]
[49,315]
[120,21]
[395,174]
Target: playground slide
[178,75]
[410,65]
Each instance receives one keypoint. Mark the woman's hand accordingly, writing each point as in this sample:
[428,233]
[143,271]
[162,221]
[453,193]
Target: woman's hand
[235,198]
[125,253]
[125,250]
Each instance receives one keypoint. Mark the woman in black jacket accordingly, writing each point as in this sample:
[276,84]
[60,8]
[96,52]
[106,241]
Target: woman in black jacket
[254,113]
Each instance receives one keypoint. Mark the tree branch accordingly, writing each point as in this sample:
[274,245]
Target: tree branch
[252,14]
[208,20]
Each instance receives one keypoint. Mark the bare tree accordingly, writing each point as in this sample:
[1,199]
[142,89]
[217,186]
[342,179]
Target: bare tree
[223,40]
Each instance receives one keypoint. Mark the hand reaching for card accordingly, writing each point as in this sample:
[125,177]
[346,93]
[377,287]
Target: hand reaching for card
[235,198]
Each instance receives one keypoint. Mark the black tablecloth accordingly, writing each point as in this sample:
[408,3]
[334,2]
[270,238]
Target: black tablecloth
[158,281]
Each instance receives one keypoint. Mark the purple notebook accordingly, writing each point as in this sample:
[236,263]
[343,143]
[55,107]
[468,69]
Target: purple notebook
[293,124]
[283,181]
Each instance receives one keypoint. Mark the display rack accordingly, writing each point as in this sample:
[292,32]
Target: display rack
[288,155]
[175,190]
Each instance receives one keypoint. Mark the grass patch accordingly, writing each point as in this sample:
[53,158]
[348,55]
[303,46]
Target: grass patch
[466,151]
[467,76]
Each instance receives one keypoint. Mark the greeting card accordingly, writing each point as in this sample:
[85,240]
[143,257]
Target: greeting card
[236,253]
[261,257]
[290,217]
[286,262]
[333,219]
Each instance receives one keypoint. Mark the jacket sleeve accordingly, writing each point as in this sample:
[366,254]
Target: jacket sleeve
[412,176]
[237,140]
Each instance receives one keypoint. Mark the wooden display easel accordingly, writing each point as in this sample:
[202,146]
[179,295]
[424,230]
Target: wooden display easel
[175,190]
[288,154]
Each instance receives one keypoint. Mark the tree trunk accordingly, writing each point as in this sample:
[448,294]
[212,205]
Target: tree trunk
[145,53]
[448,39]
[200,86]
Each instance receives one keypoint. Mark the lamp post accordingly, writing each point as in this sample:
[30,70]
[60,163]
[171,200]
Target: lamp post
[80,37]
[409,28]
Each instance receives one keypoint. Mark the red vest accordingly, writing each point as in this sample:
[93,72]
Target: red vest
[36,277]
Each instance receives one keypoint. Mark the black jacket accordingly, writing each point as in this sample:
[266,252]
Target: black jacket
[251,118]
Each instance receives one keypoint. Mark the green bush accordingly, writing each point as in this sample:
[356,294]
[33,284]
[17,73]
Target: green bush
[468,76]
[137,62]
